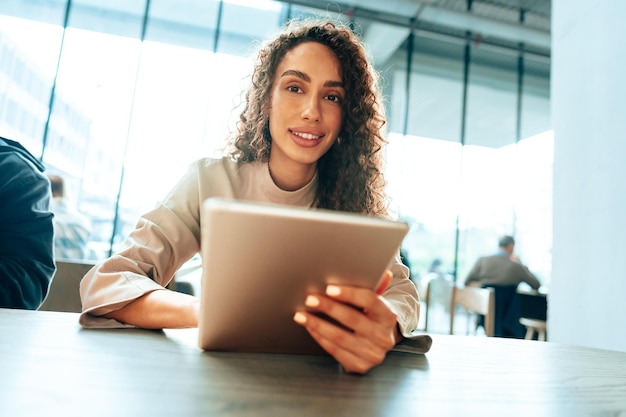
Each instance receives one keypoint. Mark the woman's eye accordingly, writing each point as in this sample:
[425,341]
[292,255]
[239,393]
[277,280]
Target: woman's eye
[294,89]
[334,98]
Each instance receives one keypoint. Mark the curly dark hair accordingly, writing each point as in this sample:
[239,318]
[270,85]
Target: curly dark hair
[350,174]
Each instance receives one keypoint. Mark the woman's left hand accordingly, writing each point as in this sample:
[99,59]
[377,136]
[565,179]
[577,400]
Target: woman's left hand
[370,331]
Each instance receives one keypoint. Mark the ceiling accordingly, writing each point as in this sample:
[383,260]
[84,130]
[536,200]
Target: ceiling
[506,24]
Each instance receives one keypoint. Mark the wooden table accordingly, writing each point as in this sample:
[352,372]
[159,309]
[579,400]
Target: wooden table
[49,366]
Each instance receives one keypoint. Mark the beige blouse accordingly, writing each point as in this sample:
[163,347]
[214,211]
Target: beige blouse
[168,236]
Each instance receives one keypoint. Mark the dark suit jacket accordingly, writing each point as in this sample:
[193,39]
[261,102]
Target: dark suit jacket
[500,270]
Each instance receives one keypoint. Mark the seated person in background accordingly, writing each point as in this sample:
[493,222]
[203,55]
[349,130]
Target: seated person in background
[502,268]
[26,231]
[71,228]
[503,271]
[310,135]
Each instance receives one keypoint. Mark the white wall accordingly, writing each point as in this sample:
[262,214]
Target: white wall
[588,288]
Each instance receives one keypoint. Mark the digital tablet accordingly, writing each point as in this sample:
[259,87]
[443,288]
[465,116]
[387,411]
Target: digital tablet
[260,260]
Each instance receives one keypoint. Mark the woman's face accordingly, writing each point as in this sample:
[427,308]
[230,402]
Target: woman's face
[306,107]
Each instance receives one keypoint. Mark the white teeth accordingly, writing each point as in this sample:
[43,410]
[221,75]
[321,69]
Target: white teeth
[307,136]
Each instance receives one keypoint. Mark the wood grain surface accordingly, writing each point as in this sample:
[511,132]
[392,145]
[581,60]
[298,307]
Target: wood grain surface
[50,366]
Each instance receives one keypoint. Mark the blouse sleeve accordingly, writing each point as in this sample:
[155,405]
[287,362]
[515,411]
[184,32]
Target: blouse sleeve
[403,297]
[162,241]
[404,300]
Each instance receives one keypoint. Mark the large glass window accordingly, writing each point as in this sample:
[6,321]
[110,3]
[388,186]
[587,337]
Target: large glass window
[533,204]
[245,23]
[533,185]
[423,167]
[192,23]
[424,184]
[487,197]
[91,111]
[29,52]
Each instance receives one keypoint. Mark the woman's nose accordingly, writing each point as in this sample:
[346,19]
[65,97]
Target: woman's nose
[311,110]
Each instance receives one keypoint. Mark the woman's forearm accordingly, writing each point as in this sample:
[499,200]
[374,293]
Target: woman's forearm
[161,309]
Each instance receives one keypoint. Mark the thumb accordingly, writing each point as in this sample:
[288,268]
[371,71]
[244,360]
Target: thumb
[384,282]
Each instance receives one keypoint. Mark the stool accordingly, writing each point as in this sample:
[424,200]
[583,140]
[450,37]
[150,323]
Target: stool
[532,326]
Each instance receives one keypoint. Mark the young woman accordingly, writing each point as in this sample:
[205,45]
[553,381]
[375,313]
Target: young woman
[309,135]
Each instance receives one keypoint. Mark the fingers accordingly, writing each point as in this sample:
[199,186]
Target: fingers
[372,322]
[369,326]
[355,353]
[365,299]
[359,360]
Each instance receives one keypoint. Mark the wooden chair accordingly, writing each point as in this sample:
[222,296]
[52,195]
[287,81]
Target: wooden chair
[474,300]
[63,294]
[534,314]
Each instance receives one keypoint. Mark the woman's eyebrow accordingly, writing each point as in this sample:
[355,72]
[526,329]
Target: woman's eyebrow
[305,77]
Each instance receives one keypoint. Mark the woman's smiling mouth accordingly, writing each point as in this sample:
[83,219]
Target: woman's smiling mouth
[307,136]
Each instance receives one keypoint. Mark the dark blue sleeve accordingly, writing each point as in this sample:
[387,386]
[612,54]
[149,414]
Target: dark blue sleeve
[26,234]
